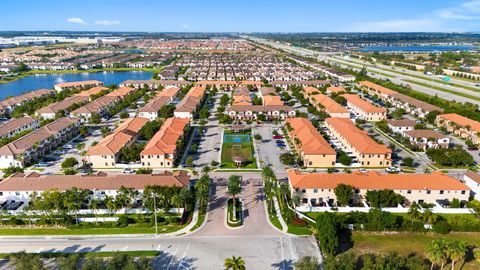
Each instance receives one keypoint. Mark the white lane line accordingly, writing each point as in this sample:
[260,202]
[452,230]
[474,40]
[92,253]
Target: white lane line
[183,256]
[283,259]
[173,257]
[291,249]
[125,248]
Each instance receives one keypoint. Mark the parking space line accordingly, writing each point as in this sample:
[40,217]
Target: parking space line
[293,257]
[183,256]
[158,247]
[281,249]
[173,257]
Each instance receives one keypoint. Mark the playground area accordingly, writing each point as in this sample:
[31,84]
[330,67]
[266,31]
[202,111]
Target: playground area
[237,150]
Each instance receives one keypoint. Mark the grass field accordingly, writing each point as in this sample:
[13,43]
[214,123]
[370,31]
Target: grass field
[407,243]
[237,145]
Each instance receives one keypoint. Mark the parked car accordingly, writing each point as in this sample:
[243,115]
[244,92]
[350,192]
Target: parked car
[68,146]
[362,170]
[277,137]
[393,169]
[43,164]
[128,171]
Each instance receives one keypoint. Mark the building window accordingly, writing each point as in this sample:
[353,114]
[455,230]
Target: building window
[357,191]
[463,191]
[303,191]
[315,190]
[441,191]
[409,192]
[429,191]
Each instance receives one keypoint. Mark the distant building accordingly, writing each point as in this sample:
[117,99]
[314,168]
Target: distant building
[461,126]
[363,109]
[75,85]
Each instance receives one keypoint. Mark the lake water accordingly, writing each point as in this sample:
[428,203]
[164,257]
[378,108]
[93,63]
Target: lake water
[40,81]
[427,48]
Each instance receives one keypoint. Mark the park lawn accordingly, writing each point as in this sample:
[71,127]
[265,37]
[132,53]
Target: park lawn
[299,230]
[407,242]
[89,231]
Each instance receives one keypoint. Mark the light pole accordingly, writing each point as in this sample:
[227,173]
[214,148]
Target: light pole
[155,212]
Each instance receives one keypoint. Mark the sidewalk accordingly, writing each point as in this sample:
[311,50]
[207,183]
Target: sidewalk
[279,215]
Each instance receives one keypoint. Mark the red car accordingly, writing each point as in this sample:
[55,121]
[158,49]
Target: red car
[277,137]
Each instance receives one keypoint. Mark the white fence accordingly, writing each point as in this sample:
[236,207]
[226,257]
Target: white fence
[436,209]
[178,211]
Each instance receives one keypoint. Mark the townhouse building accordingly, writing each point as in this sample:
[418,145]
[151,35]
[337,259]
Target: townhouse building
[257,112]
[154,84]
[21,186]
[313,149]
[472,180]
[325,103]
[161,151]
[357,144]
[426,139]
[317,189]
[77,85]
[50,111]
[17,125]
[152,108]
[410,105]
[461,126]
[106,153]
[38,143]
[401,125]
[190,103]
[363,109]
[7,105]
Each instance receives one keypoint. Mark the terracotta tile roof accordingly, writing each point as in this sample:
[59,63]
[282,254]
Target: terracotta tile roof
[474,176]
[260,108]
[313,82]
[242,100]
[165,140]
[157,82]
[310,90]
[95,106]
[312,142]
[112,144]
[330,105]
[270,100]
[246,82]
[25,97]
[357,138]
[401,122]
[62,105]
[121,92]
[20,145]
[14,124]
[91,182]
[427,107]
[363,104]
[216,82]
[376,181]
[267,91]
[378,88]
[92,91]
[424,133]
[191,100]
[155,104]
[169,92]
[79,83]
[461,121]
[336,89]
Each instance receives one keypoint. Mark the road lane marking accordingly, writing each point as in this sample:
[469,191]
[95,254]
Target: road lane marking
[158,247]
[171,259]
[281,248]
[183,256]
[291,249]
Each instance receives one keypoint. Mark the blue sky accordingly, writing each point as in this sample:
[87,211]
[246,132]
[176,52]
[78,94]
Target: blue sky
[242,15]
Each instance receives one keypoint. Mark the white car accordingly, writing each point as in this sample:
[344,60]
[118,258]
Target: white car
[68,146]
[393,170]
[128,171]
[362,170]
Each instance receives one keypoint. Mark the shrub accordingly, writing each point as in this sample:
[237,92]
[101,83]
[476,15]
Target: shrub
[442,227]
[69,162]
[123,221]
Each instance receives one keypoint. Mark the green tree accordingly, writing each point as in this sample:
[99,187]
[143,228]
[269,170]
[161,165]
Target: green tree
[343,193]
[327,232]
[234,187]
[307,263]
[166,111]
[408,161]
[234,263]
[69,163]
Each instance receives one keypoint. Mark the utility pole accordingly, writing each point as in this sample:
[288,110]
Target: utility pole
[155,212]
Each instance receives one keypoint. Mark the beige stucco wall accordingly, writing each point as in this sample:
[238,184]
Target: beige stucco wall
[319,160]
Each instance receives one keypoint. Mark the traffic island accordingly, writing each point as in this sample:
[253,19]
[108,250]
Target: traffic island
[234,214]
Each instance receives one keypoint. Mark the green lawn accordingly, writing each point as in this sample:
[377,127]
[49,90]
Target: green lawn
[298,230]
[407,243]
[238,213]
[242,149]
[64,231]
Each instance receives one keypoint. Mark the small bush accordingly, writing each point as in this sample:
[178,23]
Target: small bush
[442,227]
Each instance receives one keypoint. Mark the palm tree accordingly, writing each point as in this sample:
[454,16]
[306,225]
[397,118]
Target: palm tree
[234,188]
[234,263]
[110,203]
[94,203]
[413,212]
[429,217]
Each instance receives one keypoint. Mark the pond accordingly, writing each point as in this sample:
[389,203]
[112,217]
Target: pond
[40,81]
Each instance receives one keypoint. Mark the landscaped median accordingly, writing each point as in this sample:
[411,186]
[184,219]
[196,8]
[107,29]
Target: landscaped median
[234,213]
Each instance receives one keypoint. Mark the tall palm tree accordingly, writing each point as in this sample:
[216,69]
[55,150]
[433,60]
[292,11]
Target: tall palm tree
[234,263]
[457,251]
[429,217]
[413,212]
[94,203]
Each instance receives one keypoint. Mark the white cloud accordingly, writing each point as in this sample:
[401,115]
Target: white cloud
[77,21]
[415,25]
[107,22]
[185,26]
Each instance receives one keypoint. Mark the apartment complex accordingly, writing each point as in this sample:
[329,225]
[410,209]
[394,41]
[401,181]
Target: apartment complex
[161,150]
[17,125]
[314,150]
[325,103]
[401,125]
[472,180]
[154,84]
[190,103]
[318,188]
[38,143]
[7,105]
[77,85]
[427,138]
[152,108]
[356,143]
[20,186]
[106,153]
[460,126]
[363,109]
[410,105]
